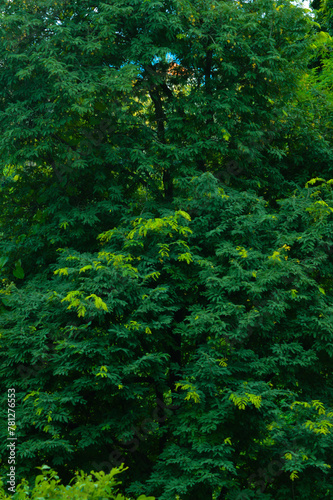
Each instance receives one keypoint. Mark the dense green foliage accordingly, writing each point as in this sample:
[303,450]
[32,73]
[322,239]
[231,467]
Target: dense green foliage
[166,245]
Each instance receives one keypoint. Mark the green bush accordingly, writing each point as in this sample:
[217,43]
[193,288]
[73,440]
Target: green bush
[85,487]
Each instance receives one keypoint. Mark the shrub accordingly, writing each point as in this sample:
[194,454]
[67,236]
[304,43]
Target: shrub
[95,486]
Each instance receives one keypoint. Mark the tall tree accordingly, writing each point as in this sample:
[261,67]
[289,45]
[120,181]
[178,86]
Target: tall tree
[156,308]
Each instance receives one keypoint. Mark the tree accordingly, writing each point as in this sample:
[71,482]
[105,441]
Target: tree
[160,307]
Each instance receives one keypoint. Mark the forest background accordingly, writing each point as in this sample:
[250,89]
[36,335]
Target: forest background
[166,244]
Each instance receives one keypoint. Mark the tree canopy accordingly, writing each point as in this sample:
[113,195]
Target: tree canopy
[166,245]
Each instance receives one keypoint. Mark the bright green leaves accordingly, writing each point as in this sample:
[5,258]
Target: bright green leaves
[99,304]
[322,427]
[242,252]
[167,225]
[82,270]
[164,249]
[314,180]
[62,272]
[93,486]
[74,299]
[167,233]
[191,392]
[242,401]
[187,257]
[275,256]
[102,372]
[120,262]
[294,475]
[154,276]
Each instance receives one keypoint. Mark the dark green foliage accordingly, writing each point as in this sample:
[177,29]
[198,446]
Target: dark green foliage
[166,266]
